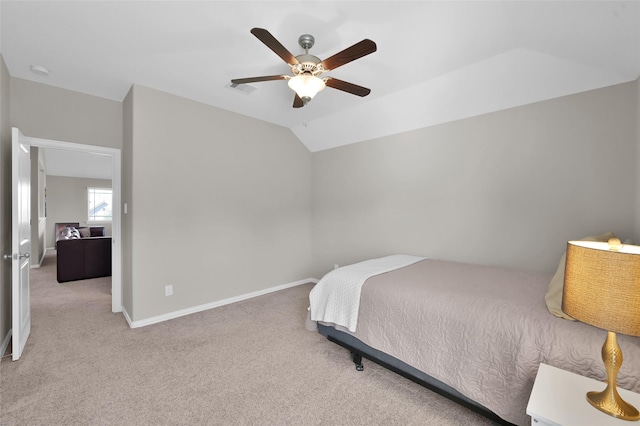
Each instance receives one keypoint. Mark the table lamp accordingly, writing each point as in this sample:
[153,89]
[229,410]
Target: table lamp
[602,288]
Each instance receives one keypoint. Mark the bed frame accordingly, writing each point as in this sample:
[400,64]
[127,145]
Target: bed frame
[361,350]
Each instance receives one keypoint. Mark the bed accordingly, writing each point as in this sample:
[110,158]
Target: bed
[476,334]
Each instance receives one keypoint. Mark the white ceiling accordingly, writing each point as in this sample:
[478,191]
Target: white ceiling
[436,61]
[59,162]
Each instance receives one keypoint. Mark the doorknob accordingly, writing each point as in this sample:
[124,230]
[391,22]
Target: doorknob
[20,256]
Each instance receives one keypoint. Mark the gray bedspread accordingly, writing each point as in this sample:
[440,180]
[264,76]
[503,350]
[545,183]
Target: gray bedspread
[483,331]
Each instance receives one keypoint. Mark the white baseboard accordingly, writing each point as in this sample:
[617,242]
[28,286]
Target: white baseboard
[44,253]
[207,306]
[5,342]
[127,317]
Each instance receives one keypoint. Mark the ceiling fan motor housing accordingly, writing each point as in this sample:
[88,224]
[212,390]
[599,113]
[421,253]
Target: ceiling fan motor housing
[307,64]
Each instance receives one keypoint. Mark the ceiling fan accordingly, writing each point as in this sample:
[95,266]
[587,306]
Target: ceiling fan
[306,68]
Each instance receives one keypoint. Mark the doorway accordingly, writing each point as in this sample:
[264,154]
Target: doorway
[115,154]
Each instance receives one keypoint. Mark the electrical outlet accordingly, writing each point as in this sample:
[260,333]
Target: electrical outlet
[168,290]
[336,266]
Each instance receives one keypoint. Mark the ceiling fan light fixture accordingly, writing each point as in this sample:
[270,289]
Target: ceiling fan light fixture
[306,85]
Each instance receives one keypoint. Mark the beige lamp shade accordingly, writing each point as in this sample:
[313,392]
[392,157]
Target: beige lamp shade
[602,285]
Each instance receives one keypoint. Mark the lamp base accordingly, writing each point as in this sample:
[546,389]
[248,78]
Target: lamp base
[610,402]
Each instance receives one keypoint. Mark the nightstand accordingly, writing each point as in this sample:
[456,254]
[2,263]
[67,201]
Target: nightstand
[558,399]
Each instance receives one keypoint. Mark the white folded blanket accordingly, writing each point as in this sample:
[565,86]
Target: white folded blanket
[336,297]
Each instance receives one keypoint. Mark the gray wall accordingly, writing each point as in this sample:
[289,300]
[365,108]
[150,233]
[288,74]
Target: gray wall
[48,112]
[67,202]
[38,219]
[219,204]
[5,202]
[126,197]
[637,211]
[507,188]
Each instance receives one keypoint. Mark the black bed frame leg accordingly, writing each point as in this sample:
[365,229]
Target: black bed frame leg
[357,359]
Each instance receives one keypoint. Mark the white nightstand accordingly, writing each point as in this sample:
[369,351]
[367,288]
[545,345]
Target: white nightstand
[558,399]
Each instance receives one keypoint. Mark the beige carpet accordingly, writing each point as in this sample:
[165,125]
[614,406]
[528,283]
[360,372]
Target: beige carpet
[250,363]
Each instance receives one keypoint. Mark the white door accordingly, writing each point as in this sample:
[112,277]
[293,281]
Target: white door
[20,242]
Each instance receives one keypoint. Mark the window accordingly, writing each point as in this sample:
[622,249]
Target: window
[100,206]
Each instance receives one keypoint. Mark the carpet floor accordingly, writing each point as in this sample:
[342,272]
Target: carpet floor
[248,363]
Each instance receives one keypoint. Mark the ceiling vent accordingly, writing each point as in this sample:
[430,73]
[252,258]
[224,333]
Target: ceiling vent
[245,89]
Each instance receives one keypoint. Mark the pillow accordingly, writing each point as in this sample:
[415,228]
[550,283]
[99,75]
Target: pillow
[97,231]
[553,298]
[70,232]
[84,232]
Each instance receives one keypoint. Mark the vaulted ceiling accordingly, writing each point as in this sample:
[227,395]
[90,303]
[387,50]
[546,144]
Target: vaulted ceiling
[435,61]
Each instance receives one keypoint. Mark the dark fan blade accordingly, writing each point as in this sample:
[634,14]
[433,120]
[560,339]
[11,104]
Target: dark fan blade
[349,54]
[256,79]
[273,44]
[297,102]
[347,87]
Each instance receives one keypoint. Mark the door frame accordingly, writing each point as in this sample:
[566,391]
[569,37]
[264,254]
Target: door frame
[116,221]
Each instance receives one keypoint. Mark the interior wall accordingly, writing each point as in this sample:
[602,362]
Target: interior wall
[5,202]
[220,204]
[507,188]
[38,218]
[48,112]
[637,215]
[67,201]
[126,223]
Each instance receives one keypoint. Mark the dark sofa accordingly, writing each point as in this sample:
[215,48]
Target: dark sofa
[82,253]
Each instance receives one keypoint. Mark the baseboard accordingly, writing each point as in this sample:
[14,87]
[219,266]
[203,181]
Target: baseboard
[5,343]
[207,306]
[44,253]
[127,317]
